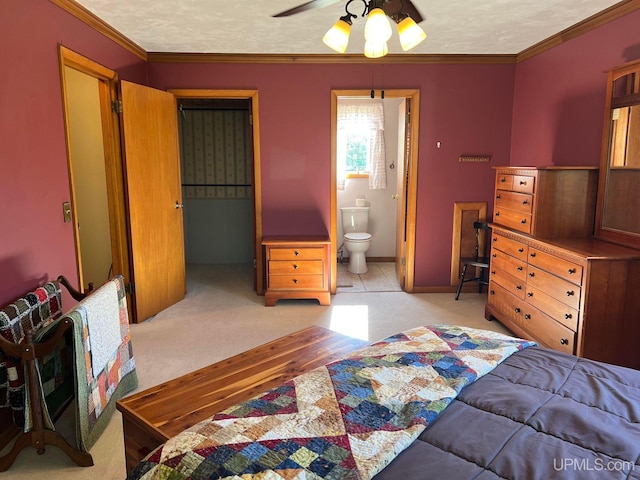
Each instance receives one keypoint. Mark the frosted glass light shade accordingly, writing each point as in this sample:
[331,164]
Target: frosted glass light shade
[377,28]
[337,37]
[375,49]
[410,34]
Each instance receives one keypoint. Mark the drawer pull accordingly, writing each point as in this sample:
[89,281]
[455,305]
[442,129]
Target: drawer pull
[523,182]
[523,221]
[518,287]
[521,250]
[564,341]
[527,316]
[493,256]
[532,274]
[492,292]
[517,310]
[524,202]
[529,294]
[519,269]
[570,293]
[493,272]
[295,267]
[495,239]
[296,253]
[497,214]
[568,316]
[572,271]
[295,280]
[498,196]
[503,179]
[532,255]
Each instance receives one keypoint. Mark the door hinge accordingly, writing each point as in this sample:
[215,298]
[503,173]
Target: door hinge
[129,288]
[255,263]
[250,119]
[116,106]
[403,261]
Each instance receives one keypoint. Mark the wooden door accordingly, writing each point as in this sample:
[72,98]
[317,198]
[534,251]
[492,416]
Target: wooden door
[152,165]
[401,196]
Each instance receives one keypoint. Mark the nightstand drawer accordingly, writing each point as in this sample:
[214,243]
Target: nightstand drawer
[295,282]
[302,253]
[291,267]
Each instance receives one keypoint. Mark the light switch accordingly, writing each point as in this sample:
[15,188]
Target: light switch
[66,212]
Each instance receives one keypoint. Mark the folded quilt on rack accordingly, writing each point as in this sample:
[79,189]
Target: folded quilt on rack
[96,393]
[346,420]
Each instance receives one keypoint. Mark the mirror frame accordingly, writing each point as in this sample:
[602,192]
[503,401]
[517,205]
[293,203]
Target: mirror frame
[602,232]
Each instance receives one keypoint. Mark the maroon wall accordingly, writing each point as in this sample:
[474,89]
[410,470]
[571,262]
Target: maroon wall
[35,244]
[559,96]
[465,107]
[555,99]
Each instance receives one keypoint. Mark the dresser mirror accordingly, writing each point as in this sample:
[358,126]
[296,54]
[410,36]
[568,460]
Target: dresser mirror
[618,219]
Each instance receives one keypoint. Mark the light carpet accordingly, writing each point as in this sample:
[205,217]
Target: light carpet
[222,316]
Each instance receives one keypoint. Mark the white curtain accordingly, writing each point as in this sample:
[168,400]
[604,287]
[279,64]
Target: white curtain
[371,115]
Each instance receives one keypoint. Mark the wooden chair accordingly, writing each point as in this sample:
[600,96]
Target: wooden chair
[479,261]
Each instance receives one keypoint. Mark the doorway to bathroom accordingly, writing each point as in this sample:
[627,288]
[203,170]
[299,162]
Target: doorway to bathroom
[391,196]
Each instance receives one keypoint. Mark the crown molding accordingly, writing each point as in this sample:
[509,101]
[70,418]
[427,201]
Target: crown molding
[599,19]
[88,17]
[413,59]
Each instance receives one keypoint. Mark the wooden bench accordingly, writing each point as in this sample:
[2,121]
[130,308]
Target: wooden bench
[153,416]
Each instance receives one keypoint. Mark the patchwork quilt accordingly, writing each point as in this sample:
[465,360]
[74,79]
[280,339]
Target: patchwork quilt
[345,420]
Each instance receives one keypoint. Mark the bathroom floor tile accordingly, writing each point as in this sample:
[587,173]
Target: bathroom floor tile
[381,277]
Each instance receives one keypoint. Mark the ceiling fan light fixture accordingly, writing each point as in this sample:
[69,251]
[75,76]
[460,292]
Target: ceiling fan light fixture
[337,38]
[375,49]
[377,28]
[410,33]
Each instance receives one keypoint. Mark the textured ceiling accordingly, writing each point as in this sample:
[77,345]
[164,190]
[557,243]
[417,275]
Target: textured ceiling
[247,26]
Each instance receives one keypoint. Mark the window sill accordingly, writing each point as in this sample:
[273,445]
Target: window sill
[357,175]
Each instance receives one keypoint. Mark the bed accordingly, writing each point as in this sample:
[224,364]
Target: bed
[433,402]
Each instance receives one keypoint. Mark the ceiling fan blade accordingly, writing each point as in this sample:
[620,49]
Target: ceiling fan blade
[306,6]
[393,6]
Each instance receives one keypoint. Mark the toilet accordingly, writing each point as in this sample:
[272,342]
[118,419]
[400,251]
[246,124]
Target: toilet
[355,223]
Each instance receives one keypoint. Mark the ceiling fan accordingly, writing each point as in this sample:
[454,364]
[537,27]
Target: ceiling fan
[377,29]
[390,7]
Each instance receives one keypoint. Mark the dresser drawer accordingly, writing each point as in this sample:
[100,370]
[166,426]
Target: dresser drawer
[558,288]
[513,219]
[512,247]
[509,283]
[290,267]
[295,282]
[556,309]
[558,266]
[547,331]
[519,202]
[511,265]
[504,182]
[509,305]
[302,253]
[523,184]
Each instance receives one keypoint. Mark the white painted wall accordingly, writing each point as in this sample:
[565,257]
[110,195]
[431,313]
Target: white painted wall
[382,212]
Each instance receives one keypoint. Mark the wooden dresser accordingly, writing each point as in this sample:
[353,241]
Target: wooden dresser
[296,268]
[550,279]
[546,201]
[577,295]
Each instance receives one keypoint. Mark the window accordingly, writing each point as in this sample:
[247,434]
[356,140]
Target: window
[360,142]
